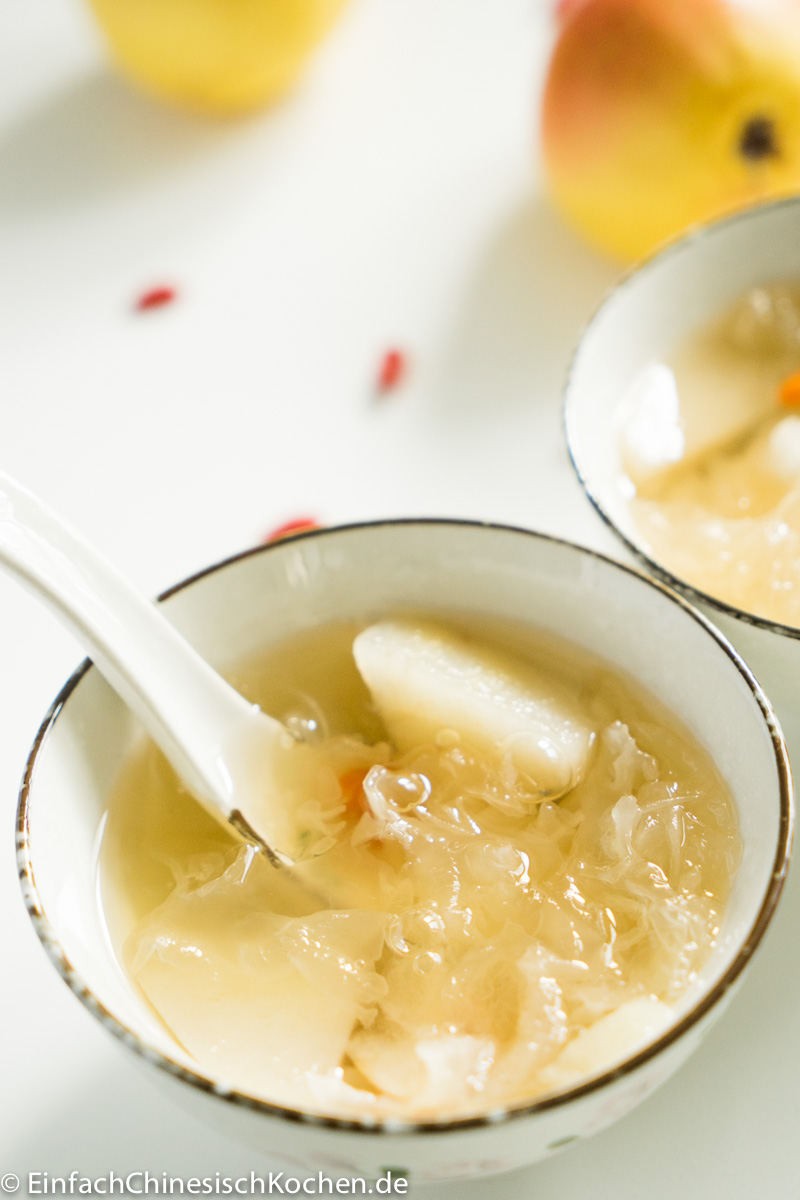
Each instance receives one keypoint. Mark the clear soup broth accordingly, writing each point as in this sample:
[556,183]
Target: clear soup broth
[491,944]
[718,499]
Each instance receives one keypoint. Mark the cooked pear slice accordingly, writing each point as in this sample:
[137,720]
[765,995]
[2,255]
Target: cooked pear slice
[425,679]
[783,449]
[616,1036]
[433,1073]
[262,1000]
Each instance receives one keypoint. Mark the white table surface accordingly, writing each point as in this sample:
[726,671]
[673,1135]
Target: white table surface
[392,200]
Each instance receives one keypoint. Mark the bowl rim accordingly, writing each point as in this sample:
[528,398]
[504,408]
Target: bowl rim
[673,248]
[367,1124]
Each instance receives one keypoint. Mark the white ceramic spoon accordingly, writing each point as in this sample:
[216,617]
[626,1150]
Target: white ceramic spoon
[244,766]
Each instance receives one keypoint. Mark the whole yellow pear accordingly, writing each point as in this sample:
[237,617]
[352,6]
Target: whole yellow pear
[659,114]
[218,56]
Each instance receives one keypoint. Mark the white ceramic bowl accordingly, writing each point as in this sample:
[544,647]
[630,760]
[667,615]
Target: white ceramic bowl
[239,607]
[643,319]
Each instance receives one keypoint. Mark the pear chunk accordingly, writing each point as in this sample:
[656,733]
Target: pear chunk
[611,1039]
[425,679]
[265,1000]
[783,449]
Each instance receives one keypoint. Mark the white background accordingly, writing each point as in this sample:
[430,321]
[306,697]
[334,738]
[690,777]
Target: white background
[394,199]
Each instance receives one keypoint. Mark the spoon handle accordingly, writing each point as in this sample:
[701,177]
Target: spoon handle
[192,714]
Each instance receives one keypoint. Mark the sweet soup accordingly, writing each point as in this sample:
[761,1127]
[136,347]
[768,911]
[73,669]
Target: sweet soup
[711,445]
[529,859]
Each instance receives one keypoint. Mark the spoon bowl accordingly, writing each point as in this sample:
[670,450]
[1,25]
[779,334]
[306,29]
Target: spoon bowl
[241,764]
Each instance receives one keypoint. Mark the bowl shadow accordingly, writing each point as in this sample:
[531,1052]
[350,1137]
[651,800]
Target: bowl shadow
[533,288]
[116,1119]
[94,139]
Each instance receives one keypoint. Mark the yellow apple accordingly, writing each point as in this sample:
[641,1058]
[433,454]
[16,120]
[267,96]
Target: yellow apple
[218,56]
[659,114]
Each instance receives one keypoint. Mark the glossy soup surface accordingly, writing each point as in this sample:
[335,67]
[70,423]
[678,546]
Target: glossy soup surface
[721,509]
[490,945]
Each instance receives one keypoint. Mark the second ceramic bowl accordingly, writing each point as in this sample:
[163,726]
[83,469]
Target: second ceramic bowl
[642,321]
